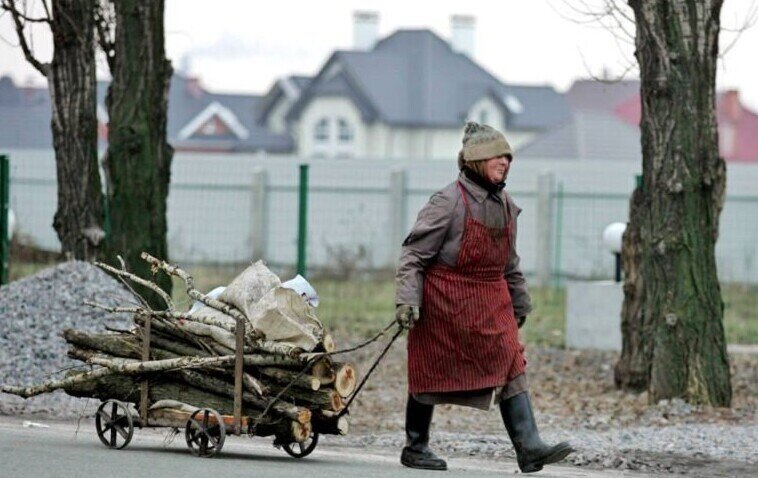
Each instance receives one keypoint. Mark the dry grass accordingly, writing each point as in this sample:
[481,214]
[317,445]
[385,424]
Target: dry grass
[360,307]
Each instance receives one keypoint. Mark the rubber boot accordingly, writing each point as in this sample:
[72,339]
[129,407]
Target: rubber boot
[416,454]
[531,452]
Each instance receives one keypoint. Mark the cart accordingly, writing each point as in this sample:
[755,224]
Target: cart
[205,429]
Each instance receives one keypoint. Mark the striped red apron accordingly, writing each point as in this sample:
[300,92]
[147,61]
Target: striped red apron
[467,336]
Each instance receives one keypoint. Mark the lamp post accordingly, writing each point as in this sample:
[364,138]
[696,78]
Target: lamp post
[612,237]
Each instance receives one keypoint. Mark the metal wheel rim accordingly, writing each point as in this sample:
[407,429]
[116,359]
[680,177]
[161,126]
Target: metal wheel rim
[302,449]
[113,420]
[203,438]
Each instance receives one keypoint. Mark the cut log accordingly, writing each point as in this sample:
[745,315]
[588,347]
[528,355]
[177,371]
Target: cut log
[323,371]
[299,414]
[326,344]
[285,431]
[345,379]
[118,345]
[167,387]
[305,381]
[330,424]
[325,399]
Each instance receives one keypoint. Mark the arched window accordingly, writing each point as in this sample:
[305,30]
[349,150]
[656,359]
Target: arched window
[345,131]
[321,131]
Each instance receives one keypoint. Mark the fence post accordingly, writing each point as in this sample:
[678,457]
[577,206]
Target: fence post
[545,194]
[398,204]
[558,244]
[5,182]
[302,229]
[258,217]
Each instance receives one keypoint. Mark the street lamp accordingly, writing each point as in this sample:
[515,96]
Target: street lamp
[612,236]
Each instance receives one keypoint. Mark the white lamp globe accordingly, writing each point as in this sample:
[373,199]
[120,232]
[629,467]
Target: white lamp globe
[11,223]
[612,235]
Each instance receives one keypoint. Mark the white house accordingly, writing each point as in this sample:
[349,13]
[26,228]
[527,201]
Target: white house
[405,96]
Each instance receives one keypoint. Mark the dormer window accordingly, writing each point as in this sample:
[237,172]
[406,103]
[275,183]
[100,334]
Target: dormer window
[321,131]
[345,131]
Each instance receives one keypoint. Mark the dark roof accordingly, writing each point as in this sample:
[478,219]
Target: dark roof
[414,78]
[587,135]
[25,117]
[600,95]
[278,91]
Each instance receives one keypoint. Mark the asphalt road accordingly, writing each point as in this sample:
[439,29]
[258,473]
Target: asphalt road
[61,452]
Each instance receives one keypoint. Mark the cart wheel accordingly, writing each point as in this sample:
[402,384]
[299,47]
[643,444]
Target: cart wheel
[114,424]
[302,449]
[205,432]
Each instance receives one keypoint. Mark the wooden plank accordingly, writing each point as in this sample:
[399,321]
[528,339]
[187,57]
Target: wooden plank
[239,333]
[144,386]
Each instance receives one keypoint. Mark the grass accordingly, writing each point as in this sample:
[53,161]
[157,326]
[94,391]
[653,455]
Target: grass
[362,307]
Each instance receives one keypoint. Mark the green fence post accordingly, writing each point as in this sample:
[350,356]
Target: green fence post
[302,229]
[5,245]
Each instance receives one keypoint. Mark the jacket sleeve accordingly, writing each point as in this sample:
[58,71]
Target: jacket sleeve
[522,302]
[420,247]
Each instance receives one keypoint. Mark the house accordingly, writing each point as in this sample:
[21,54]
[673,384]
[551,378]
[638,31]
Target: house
[198,120]
[604,124]
[407,96]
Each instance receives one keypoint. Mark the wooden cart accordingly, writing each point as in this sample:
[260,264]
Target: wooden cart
[204,429]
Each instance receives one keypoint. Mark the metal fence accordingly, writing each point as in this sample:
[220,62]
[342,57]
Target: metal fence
[231,209]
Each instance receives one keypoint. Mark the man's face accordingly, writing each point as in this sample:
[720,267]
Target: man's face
[496,169]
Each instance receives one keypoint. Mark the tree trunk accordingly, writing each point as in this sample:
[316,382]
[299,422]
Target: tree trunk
[72,86]
[632,371]
[679,310]
[139,158]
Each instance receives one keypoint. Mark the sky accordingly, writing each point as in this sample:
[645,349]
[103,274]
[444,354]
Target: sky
[244,46]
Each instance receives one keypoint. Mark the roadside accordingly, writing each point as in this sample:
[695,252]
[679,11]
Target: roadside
[62,451]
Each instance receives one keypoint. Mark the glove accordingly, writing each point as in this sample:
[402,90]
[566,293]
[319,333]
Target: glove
[520,321]
[406,315]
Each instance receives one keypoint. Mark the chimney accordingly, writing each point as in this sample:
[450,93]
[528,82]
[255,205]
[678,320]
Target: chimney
[365,30]
[462,34]
[731,105]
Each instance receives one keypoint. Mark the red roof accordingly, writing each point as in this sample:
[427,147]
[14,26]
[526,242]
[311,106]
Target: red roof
[738,126]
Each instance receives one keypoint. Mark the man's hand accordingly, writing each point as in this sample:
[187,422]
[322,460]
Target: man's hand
[520,321]
[406,315]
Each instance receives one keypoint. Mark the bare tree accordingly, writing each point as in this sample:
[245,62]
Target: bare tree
[72,84]
[138,160]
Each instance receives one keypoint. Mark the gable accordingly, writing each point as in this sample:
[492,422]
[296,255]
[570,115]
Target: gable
[215,120]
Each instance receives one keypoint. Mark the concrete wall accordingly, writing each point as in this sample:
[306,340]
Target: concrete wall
[214,212]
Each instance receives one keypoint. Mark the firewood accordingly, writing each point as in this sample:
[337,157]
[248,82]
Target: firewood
[345,379]
[307,382]
[327,423]
[326,399]
[323,371]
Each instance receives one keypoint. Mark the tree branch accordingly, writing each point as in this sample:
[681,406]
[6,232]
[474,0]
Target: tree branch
[10,6]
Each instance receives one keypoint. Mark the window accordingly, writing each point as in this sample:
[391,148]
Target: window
[483,117]
[321,131]
[345,131]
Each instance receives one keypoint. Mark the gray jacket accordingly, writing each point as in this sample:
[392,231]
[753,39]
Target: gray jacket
[437,233]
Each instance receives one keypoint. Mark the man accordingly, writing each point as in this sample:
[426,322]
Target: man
[462,295]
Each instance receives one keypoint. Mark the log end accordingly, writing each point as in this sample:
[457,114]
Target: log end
[345,380]
[301,431]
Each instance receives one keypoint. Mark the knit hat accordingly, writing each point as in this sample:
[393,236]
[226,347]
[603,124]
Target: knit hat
[481,141]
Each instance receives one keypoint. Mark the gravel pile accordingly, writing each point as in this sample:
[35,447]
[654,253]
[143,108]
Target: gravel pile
[33,312]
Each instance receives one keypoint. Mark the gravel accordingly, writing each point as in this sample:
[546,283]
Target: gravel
[33,312]
[694,450]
